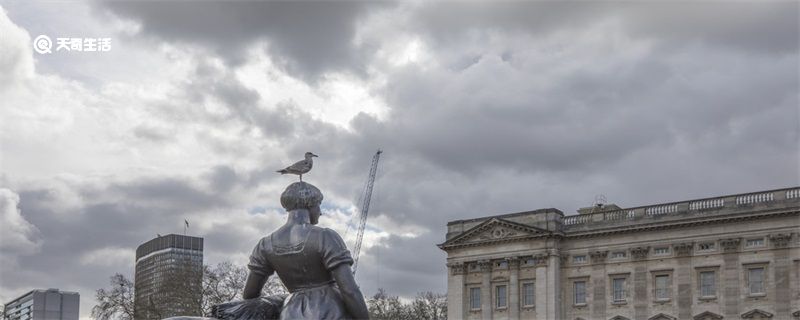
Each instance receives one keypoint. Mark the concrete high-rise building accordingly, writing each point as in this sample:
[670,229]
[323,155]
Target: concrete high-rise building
[727,257]
[50,304]
[168,277]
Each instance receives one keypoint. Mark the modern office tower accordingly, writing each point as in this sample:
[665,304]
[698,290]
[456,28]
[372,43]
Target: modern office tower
[168,277]
[50,304]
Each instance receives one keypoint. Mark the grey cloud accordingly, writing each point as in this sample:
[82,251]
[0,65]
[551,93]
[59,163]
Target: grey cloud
[151,133]
[18,236]
[753,26]
[222,178]
[118,214]
[403,266]
[307,38]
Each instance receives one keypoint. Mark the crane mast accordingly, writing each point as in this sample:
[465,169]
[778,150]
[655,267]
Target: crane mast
[365,208]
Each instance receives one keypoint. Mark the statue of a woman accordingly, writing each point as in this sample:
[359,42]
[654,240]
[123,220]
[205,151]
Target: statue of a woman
[312,262]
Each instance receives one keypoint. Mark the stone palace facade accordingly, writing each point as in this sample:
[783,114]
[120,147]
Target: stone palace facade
[729,257]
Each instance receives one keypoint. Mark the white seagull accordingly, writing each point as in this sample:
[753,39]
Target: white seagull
[300,167]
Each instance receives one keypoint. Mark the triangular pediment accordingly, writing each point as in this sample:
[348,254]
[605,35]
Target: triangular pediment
[707,315]
[756,314]
[495,230]
[619,318]
[662,316]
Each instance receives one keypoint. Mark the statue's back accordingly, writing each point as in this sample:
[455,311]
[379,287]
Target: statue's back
[303,258]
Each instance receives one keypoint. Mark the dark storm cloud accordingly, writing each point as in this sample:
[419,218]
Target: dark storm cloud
[308,38]
[755,26]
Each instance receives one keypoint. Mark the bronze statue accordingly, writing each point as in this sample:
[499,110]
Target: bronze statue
[312,262]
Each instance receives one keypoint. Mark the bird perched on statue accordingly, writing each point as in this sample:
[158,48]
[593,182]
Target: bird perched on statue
[300,167]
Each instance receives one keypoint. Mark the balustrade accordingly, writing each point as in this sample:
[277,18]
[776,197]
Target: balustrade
[663,209]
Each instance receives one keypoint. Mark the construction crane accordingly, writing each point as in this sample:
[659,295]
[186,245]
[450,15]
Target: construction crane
[365,208]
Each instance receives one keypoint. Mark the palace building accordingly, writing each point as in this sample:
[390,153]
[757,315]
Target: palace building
[728,257]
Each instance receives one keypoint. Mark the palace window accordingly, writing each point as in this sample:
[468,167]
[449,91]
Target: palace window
[755,280]
[708,285]
[528,291]
[754,243]
[579,259]
[529,262]
[618,289]
[706,246]
[662,287]
[579,288]
[500,294]
[662,251]
[618,255]
[474,298]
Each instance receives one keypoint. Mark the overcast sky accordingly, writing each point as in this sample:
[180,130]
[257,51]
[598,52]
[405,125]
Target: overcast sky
[481,108]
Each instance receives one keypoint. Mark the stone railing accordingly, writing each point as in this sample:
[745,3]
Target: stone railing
[698,206]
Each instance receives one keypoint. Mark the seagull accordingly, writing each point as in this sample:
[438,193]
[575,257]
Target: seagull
[300,167]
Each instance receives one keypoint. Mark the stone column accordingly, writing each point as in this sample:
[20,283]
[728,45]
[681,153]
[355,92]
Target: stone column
[599,279]
[456,294]
[731,292]
[782,269]
[640,303]
[683,280]
[541,286]
[486,289]
[553,285]
[513,290]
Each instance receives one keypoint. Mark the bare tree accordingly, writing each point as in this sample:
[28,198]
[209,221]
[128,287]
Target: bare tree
[116,303]
[222,283]
[226,281]
[384,307]
[429,306]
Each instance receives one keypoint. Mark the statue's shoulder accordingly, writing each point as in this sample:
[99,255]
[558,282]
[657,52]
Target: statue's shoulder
[330,235]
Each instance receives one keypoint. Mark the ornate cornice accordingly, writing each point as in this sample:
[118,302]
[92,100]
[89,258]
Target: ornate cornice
[598,256]
[457,268]
[639,253]
[780,240]
[683,249]
[730,245]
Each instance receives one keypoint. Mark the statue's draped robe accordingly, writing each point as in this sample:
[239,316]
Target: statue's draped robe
[305,269]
